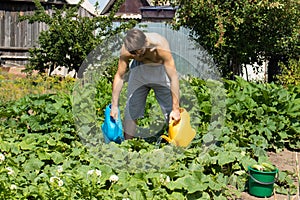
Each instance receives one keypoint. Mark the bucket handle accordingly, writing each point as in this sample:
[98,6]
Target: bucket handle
[264,183]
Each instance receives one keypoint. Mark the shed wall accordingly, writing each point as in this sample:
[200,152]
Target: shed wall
[17,37]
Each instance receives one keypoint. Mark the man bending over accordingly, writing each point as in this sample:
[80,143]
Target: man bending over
[152,67]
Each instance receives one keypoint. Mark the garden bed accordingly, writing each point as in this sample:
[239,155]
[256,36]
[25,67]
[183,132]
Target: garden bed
[41,143]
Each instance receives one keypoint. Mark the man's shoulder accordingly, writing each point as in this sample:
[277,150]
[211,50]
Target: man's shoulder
[125,55]
[154,36]
[156,39]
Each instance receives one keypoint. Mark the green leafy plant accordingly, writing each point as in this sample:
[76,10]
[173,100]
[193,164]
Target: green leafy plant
[43,155]
[265,114]
[241,32]
[290,73]
[69,38]
[14,87]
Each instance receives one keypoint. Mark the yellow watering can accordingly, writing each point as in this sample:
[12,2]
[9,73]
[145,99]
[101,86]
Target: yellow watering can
[181,133]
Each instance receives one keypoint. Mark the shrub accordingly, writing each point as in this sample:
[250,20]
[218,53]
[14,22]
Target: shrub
[13,87]
[290,73]
[70,37]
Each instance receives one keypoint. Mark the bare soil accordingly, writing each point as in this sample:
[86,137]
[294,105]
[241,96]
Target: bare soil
[284,161]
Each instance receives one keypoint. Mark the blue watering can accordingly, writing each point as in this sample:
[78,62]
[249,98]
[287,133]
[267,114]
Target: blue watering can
[111,128]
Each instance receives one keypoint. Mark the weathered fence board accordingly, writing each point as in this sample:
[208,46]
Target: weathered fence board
[17,37]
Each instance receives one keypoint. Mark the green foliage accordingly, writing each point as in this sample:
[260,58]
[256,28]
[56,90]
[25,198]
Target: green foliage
[290,73]
[13,87]
[241,32]
[40,114]
[264,115]
[69,37]
[44,155]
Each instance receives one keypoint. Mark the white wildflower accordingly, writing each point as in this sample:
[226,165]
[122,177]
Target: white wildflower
[113,178]
[90,172]
[125,199]
[53,178]
[167,179]
[163,180]
[2,157]
[10,170]
[60,169]
[98,172]
[13,187]
[60,183]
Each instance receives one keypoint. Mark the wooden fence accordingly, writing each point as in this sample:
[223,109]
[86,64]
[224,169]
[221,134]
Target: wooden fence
[16,37]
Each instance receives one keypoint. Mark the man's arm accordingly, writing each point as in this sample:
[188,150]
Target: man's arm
[170,67]
[118,82]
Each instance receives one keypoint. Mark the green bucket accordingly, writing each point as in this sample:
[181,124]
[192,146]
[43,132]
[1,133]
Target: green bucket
[261,183]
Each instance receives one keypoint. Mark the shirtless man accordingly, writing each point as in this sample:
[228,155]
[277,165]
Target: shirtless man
[152,67]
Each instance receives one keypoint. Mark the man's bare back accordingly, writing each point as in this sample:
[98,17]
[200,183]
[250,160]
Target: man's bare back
[154,46]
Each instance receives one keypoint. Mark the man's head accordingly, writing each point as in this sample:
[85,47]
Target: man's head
[134,41]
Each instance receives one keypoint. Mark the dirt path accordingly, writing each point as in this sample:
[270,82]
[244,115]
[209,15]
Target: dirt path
[285,160]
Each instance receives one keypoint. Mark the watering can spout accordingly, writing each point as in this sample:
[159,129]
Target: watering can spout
[180,133]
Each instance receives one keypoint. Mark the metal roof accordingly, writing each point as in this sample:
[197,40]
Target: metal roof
[128,3]
[158,13]
[86,5]
[158,8]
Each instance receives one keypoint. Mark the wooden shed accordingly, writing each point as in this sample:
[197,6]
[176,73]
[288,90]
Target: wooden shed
[130,9]
[157,13]
[17,37]
[141,10]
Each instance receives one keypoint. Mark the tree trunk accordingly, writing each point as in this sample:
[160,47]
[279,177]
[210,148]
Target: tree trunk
[235,68]
[273,67]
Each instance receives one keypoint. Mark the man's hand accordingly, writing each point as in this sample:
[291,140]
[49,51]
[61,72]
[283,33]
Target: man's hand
[175,115]
[114,112]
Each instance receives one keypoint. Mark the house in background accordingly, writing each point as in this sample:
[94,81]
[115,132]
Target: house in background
[157,13]
[130,9]
[17,37]
[255,72]
[141,10]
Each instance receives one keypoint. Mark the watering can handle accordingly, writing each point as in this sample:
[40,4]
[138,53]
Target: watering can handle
[171,124]
[264,183]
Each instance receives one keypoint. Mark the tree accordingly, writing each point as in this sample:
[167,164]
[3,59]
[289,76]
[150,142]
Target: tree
[70,37]
[290,73]
[243,31]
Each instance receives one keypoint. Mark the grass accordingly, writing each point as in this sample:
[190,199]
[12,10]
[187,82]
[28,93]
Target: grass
[14,86]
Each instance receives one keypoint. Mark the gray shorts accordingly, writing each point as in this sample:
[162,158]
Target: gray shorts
[141,80]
